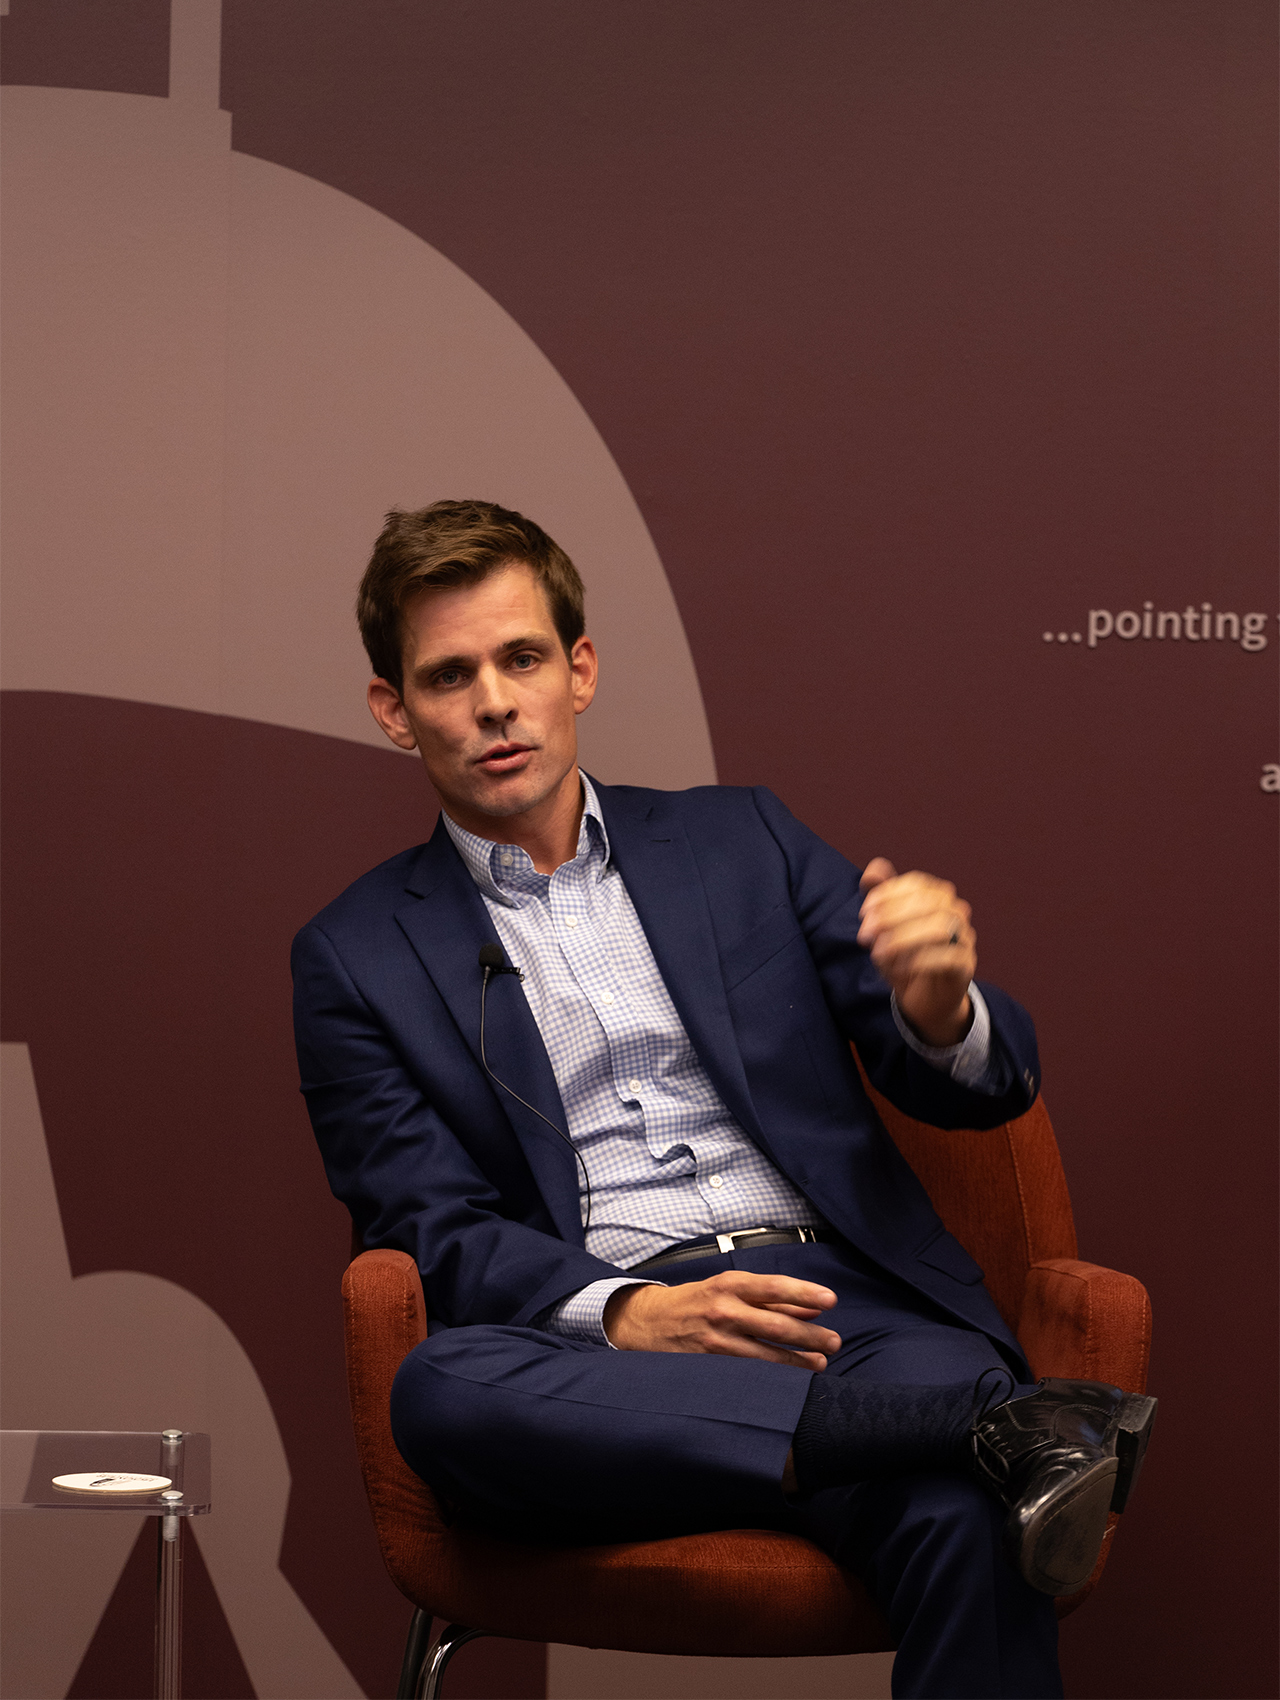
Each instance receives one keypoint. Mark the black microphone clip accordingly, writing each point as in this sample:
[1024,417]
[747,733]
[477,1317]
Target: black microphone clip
[493,959]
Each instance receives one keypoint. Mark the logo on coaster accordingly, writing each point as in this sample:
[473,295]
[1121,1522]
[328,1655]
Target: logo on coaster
[111,1481]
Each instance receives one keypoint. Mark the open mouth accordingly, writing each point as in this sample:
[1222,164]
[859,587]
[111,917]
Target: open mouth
[504,758]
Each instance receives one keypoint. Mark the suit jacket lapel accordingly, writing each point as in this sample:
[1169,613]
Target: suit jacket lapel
[654,857]
[446,922]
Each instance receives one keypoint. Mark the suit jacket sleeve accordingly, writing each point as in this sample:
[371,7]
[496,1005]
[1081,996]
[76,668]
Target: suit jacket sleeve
[827,903]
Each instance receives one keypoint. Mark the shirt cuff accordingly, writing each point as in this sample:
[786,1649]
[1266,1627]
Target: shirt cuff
[581,1315]
[969,1062]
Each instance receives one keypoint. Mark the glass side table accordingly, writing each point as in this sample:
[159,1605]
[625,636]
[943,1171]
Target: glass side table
[31,1458]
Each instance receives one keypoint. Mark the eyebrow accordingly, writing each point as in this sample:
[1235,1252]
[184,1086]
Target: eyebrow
[437,664]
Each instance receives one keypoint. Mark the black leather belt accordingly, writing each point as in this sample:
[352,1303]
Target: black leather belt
[742,1239]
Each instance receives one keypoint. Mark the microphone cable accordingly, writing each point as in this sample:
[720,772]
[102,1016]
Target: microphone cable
[493,961]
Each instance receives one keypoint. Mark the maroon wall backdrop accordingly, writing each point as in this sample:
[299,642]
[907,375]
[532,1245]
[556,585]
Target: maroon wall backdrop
[919,329]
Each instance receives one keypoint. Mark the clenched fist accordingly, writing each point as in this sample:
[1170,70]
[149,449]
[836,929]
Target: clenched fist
[921,938]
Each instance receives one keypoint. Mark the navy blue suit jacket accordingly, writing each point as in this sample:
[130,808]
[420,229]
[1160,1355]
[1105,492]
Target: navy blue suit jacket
[753,922]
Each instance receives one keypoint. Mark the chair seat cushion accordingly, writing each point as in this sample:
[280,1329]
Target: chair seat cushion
[751,1592]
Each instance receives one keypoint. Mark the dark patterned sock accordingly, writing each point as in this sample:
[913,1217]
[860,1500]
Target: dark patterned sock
[852,1431]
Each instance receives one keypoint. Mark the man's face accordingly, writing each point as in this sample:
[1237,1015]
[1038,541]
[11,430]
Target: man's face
[490,698]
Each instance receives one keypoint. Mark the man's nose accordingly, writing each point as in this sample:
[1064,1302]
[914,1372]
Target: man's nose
[495,700]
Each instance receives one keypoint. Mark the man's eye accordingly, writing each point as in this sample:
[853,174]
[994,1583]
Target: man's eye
[450,676]
[524,662]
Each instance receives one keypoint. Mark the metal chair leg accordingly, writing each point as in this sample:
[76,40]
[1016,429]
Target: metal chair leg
[422,1672]
[415,1654]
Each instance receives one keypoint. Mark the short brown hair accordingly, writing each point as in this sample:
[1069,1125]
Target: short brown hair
[451,544]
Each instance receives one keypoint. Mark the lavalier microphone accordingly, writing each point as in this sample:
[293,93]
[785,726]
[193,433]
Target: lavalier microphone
[493,960]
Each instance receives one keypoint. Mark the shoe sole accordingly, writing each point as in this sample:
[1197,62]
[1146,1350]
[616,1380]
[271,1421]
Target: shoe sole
[1057,1548]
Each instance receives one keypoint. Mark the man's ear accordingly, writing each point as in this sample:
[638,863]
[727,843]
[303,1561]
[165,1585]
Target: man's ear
[388,710]
[584,664]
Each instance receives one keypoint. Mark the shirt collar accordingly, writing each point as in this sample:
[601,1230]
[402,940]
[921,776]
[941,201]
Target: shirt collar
[510,882]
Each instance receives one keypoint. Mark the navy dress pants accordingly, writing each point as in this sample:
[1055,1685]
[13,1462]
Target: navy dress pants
[537,1437]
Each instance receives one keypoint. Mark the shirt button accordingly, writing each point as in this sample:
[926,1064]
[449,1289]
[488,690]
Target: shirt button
[717,1181]
[634,1085]
[571,920]
[506,861]
[607,997]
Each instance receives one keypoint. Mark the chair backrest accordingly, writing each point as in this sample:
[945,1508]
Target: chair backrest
[1001,1192]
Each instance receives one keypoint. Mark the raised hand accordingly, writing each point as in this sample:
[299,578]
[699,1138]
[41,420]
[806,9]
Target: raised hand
[921,938]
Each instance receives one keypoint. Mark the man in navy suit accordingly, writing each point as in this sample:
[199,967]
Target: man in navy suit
[586,1056]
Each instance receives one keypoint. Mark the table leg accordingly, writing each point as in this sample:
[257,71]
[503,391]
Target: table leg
[169,1609]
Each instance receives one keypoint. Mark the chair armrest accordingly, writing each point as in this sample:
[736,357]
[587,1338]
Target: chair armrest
[1082,1322]
[385,1317]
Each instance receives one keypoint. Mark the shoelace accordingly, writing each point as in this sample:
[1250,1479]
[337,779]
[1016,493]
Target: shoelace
[993,1387]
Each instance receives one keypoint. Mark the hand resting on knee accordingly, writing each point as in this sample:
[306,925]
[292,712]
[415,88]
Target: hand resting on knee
[738,1313]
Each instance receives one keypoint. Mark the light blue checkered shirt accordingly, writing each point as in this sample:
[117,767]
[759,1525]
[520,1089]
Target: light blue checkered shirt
[666,1160]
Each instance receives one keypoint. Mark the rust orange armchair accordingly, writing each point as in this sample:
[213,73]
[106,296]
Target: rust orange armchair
[746,1592]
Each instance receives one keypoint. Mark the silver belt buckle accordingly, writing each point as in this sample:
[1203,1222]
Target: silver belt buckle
[727,1242]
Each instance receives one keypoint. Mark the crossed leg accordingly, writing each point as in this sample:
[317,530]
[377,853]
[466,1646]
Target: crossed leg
[539,1437]
[928,1546]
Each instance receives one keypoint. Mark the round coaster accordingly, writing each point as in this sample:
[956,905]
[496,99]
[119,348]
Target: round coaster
[111,1481]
